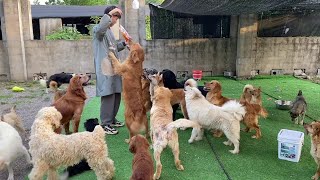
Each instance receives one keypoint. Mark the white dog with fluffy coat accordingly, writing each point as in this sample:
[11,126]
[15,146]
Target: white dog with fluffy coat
[11,147]
[226,118]
[50,150]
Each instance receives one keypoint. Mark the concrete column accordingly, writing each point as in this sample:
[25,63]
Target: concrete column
[134,20]
[48,26]
[26,19]
[246,44]
[15,39]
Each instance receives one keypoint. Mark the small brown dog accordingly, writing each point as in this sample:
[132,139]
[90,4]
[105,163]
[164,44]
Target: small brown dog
[142,164]
[71,104]
[314,130]
[131,71]
[299,109]
[251,95]
[14,120]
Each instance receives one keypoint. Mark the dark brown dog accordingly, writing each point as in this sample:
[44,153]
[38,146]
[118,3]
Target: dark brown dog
[71,104]
[142,164]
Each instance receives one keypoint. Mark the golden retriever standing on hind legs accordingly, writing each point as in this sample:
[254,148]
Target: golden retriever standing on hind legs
[131,72]
[163,129]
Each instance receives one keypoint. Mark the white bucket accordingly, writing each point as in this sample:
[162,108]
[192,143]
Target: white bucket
[290,144]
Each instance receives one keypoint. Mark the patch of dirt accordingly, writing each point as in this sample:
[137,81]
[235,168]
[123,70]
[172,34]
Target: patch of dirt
[28,103]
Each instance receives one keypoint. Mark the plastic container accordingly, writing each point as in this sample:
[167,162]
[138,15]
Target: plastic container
[125,34]
[197,74]
[290,144]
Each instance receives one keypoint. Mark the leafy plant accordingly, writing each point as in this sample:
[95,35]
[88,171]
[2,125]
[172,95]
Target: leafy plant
[95,20]
[54,2]
[148,28]
[66,33]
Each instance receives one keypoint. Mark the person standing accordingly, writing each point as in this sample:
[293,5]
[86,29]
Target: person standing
[108,85]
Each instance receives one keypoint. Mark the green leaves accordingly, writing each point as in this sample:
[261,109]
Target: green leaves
[66,33]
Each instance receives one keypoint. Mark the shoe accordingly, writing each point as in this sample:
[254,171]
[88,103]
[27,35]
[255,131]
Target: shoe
[117,124]
[110,130]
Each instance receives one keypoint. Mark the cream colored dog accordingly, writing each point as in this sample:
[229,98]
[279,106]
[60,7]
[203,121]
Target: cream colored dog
[50,150]
[14,120]
[226,118]
[163,130]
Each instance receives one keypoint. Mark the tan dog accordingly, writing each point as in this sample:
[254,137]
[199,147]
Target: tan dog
[14,120]
[142,164]
[163,130]
[71,104]
[146,98]
[50,150]
[251,95]
[314,130]
[177,94]
[131,71]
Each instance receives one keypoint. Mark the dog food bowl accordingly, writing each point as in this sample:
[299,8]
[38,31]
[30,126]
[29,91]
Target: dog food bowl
[283,105]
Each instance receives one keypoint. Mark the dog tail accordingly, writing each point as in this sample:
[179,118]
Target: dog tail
[182,123]
[191,83]
[235,108]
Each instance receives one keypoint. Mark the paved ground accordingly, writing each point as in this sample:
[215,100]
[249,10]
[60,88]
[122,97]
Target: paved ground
[28,104]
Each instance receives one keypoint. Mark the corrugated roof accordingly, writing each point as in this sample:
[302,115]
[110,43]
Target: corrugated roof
[231,7]
[57,11]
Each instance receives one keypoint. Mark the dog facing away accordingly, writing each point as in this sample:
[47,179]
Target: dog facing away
[142,164]
[146,87]
[131,71]
[163,130]
[177,94]
[50,150]
[209,116]
[11,148]
[14,120]
[83,166]
[71,104]
[313,129]
[299,108]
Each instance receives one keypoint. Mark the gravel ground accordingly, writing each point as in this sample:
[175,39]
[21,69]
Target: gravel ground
[28,104]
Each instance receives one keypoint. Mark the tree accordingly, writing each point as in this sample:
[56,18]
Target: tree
[54,2]
[36,2]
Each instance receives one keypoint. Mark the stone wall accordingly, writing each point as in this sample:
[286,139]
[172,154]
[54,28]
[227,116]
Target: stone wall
[4,62]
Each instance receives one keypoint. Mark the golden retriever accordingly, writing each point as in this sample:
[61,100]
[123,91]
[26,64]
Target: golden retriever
[71,104]
[131,71]
[163,130]
[251,95]
[314,130]
[226,118]
[177,94]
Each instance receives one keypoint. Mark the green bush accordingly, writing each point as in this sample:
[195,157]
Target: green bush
[65,33]
[148,28]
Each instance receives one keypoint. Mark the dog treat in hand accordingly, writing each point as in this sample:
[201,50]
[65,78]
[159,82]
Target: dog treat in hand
[125,34]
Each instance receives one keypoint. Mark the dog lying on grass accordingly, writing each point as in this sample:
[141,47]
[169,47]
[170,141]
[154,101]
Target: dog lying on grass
[163,130]
[50,150]
[314,130]
[142,164]
[11,148]
[209,116]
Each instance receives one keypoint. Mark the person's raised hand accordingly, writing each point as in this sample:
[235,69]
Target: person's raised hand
[115,10]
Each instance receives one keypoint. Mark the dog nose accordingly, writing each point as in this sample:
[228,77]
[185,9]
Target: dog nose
[89,75]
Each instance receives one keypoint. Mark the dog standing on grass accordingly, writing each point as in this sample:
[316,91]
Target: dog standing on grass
[299,108]
[142,164]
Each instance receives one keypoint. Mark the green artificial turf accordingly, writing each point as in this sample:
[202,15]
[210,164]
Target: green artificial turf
[258,159]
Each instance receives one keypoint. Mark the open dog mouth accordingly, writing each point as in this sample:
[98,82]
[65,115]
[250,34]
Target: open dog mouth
[206,88]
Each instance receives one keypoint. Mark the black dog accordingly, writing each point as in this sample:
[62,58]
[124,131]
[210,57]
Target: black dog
[170,81]
[60,78]
[82,166]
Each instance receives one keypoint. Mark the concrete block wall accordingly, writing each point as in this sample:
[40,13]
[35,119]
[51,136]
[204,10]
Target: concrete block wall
[288,54]
[59,56]
[4,62]
[216,55]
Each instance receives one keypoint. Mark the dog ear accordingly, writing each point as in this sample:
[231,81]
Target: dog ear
[13,109]
[134,56]
[132,145]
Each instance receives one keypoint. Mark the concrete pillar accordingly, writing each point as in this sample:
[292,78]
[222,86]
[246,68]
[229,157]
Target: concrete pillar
[246,44]
[26,19]
[134,21]
[48,26]
[15,39]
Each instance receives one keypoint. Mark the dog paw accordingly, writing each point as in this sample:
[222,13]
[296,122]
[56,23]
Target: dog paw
[190,141]
[180,167]
[198,138]
[127,140]
[254,137]
[156,177]
[227,143]
[234,151]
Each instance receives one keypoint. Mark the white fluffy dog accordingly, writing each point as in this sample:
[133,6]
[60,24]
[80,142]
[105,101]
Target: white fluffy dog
[11,147]
[226,118]
[50,150]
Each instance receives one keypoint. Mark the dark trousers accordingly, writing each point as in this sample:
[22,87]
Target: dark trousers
[109,108]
